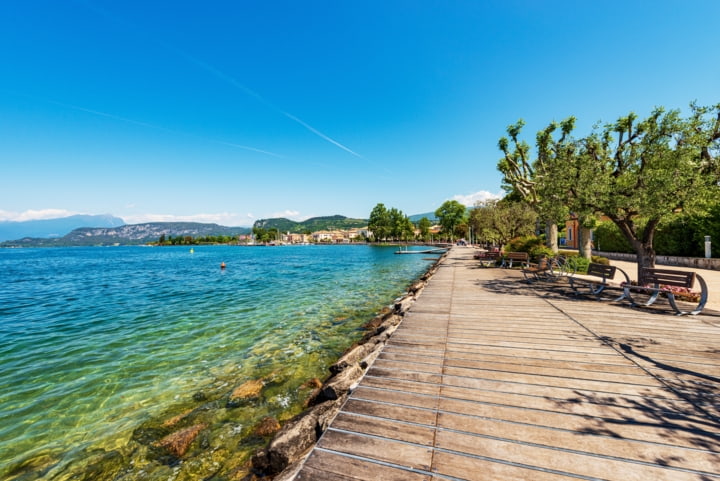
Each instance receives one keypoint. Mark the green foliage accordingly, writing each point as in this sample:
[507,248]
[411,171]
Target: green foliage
[450,215]
[379,222]
[424,225]
[582,264]
[600,260]
[609,238]
[538,252]
[524,244]
[496,222]
[638,172]
[682,236]
[390,224]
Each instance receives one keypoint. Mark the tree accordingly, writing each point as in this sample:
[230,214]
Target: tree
[558,180]
[496,222]
[379,222]
[641,173]
[408,229]
[521,176]
[396,220]
[424,225]
[450,214]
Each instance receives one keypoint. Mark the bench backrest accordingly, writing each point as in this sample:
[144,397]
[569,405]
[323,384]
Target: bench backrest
[601,270]
[517,256]
[667,277]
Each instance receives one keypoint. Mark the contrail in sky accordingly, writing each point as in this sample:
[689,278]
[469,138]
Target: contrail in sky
[251,93]
[320,134]
[223,76]
[157,127]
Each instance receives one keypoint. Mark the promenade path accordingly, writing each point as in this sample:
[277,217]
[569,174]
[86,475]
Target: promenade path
[488,378]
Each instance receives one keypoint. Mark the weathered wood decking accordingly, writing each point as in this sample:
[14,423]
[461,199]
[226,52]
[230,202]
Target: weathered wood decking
[489,379]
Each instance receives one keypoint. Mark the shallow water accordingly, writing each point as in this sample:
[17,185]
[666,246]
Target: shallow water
[98,346]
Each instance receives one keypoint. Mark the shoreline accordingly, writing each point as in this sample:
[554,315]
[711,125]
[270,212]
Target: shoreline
[284,455]
[185,442]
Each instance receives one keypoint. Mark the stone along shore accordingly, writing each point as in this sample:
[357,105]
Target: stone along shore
[290,445]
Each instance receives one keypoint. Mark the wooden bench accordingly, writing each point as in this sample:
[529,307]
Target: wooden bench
[510,257]
[487,258]
[535,272]
[657,281]
[602,272]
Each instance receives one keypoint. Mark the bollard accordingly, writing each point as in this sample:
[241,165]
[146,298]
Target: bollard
[707,247]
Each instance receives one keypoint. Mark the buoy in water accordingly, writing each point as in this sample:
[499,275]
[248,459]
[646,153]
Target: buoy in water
[222,265]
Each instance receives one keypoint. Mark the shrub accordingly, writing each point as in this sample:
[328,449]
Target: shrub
[600,260]
[523,244]
[582,264]
[537,252]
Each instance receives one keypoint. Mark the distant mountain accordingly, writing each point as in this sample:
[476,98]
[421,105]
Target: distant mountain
[430,215]
[334,222]
[129,234]
[54,227]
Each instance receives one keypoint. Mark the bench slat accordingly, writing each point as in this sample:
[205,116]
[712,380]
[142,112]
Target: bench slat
[668,277]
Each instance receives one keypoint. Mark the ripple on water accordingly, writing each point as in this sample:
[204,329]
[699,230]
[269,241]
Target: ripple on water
[96,343]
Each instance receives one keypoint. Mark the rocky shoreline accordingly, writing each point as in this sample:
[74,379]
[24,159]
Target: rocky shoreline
[285,454]
[205,437]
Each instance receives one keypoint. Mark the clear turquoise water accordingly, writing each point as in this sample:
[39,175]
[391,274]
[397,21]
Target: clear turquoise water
[95,342]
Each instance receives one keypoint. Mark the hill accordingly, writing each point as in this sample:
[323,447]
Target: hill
[313,224]
[133,234]
[430,215]
[54,227]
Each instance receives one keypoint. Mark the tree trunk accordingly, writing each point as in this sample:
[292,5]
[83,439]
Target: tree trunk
[644,250]
[585,242]
[645,256]
[551,233]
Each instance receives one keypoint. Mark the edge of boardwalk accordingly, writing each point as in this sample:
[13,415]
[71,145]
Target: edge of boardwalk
[488,378]
[285,454]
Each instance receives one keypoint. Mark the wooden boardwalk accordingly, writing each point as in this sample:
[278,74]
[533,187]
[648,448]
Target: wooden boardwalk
[488,379]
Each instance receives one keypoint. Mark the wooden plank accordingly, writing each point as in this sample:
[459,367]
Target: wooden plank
[471,468]
[591,441]
[406,455]
[328,466]
[551,458]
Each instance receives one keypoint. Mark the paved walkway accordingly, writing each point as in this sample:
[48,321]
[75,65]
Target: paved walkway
[490,379]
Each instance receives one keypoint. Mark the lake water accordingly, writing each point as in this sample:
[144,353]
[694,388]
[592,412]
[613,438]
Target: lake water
[102,348]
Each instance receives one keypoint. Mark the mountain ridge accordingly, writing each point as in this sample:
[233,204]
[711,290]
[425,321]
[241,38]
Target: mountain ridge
[313,224]
[129,234]
[55,228]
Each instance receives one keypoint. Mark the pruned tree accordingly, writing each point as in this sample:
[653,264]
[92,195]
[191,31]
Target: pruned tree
[653,169]
[521,176]
[639,173]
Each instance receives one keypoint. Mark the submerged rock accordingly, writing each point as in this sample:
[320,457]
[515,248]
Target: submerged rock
[176,419]
[178,442]
[247,391]
[267,427]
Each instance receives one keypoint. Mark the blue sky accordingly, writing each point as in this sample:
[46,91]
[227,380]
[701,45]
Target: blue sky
[230,111]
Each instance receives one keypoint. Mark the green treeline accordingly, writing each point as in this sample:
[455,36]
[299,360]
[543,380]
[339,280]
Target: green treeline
[190,240]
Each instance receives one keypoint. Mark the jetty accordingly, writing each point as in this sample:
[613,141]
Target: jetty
[441,250]
[489,378]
